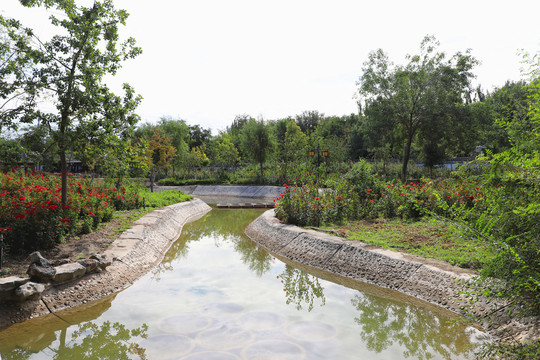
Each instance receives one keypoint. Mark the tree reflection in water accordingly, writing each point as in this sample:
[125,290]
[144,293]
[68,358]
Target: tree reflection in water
[91,341]
[423,333]
[301,288]
[224,226]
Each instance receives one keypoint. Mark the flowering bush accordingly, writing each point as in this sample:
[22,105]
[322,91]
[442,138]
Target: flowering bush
[30,205]
[359,196]
[307,204]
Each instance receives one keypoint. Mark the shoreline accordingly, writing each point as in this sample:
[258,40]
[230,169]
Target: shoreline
[433,281]
[133,254]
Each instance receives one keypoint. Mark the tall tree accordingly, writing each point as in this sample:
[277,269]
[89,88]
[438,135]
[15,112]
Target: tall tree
[160,153]
[308,121]
[256,141]
[226,152]
[70,69]
[425,90]
[198,136]
[295,145]
[18,93]
[178,130]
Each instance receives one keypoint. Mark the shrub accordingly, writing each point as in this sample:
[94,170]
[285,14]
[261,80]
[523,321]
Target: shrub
[30,205]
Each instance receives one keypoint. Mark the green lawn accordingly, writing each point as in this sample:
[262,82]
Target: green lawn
[429,238]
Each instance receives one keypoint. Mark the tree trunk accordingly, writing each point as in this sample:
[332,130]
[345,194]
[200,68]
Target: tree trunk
[406,155]
[62,153]
[63,174]
[152,177]
[261,164]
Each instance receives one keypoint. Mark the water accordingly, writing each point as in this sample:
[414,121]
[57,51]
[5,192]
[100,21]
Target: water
[217,295]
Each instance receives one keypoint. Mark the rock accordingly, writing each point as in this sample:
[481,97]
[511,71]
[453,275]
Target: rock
[89,264]
[42,273]
[59,262]
[68,272]
[29,291]
[11,282]
[102,259]
[36,258]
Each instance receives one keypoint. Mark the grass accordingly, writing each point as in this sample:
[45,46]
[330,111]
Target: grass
[127,217]
[430,238]
[162,198]
[152,201]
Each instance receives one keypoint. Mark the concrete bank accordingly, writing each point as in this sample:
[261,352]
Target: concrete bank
[433,281]
[233,191]
[133,254]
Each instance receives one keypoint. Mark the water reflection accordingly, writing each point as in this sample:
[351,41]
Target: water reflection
[91,341]
[421,333]
[227,227]
[106,341]
[211,296]
[38,334]
[301,288]
[88,342]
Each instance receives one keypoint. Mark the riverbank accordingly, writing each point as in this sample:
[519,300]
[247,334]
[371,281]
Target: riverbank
[433,281]
[133,254]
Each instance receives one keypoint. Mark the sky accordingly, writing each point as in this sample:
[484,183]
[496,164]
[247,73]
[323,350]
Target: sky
[206,61]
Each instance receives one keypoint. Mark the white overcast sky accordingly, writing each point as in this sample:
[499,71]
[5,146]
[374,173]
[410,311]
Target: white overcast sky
[206,61]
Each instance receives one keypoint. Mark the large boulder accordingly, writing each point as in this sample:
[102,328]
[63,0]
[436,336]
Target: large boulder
[29,291]
[41,273]
[12,282]
[36,258]
[9,284]
[68,272]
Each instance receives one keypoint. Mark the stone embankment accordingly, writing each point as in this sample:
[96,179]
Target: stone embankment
[433,281]
[53,288]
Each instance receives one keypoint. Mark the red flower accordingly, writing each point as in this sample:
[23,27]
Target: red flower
[20,216]
[317,198]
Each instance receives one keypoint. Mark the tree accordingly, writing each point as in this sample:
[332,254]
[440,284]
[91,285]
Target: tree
[226,152]
[198,136]
[425,90]
[70,68]
[195,157]
[308,121]
[295,145]
[18,93]
[160,153]
[11,153]
[40,147]
[256,141]
[179,132]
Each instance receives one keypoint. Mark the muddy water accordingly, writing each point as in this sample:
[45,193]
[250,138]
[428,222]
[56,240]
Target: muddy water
[217,295]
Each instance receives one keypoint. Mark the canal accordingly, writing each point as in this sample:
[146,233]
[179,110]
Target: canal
[217,295]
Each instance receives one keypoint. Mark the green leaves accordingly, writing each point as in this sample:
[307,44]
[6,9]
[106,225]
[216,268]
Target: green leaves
[417,97]
[70,68]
